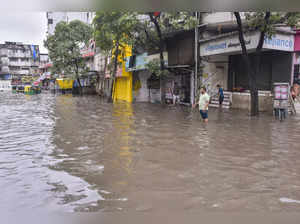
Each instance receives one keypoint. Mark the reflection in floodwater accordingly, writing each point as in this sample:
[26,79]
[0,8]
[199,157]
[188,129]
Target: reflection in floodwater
[64,153]
[123,130]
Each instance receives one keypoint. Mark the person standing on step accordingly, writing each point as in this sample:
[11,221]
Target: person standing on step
[175,93]
[220,94]
[203,104]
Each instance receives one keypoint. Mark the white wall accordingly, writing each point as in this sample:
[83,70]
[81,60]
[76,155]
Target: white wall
[142,95]
[57,17]
[155,96]
[99,62]
[215,72]
[220,17]
[5,85]
[86,17]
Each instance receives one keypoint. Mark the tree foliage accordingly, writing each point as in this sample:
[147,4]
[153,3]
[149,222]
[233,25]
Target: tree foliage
[154,68]
[65,46]
[257,21]
[112,28]
[112,32]
[145,32]
[152,26]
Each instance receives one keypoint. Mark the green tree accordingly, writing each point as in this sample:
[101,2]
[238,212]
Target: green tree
[152,33]
[114,30]
[65,46]
[265,23]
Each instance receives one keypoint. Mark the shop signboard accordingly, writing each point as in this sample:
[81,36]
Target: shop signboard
[139,62]
[231,44]
[281,91]
[281,95]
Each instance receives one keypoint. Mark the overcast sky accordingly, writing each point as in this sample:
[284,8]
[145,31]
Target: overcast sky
[26,27]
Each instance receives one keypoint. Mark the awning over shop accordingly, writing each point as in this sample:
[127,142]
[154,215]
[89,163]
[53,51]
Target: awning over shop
[229,43]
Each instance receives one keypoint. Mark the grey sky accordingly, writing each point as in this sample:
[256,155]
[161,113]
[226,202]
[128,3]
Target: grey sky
[26,27]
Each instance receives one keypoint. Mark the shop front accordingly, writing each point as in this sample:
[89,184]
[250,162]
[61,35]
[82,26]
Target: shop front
[145,86]
[224,65]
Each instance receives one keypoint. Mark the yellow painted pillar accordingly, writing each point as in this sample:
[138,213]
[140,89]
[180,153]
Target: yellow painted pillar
[123,85]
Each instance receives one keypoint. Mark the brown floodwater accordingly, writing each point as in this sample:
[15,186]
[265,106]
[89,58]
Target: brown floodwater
[81,154]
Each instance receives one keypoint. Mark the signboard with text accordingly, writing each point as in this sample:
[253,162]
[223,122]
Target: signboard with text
[231,44]
[139,62]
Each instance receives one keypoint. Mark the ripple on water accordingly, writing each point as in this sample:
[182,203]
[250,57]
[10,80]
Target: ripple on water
[67,153]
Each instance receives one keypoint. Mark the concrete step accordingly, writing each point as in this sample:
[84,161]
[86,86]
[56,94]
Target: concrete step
[217,106]
[226,103]
[217,102]
[217,98]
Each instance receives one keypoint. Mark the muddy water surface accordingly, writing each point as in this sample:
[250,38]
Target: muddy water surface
[80,154]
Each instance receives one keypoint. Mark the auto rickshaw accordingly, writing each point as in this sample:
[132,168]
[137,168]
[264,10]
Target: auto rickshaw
[14,89]
[19,89]
[31,90]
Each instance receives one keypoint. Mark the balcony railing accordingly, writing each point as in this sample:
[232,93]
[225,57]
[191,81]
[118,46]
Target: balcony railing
[19,72]
[19,54]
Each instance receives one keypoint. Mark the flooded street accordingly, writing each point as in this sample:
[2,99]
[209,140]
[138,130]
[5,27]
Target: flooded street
[80,154]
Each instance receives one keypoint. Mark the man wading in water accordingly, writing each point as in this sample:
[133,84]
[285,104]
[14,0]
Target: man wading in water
[203,104]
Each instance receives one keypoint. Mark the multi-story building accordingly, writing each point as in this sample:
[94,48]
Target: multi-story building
[18,59]
[56,17]
[45,64]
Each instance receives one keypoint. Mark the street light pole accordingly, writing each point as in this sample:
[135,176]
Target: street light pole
[196,58]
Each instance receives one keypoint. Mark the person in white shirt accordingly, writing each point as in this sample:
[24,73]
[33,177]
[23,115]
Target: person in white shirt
[203,104]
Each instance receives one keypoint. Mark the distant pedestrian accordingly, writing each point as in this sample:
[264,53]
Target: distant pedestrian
[175,93]
[220,94]
[203,104]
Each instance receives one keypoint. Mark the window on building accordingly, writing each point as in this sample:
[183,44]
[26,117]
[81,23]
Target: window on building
[50,21]
[14,67]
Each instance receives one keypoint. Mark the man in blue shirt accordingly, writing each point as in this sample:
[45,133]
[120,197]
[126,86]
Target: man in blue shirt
[221,94]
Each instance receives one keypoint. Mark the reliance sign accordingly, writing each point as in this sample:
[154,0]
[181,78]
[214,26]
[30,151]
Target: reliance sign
[231,44]
[279,42]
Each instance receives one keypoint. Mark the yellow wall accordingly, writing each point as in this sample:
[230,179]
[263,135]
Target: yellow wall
[65,83]
[123,88]
[123,85]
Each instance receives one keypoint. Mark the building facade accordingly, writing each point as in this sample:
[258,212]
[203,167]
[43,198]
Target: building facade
[18,59]
[54,18]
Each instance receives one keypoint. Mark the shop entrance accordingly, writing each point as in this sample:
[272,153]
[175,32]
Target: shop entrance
[275,67]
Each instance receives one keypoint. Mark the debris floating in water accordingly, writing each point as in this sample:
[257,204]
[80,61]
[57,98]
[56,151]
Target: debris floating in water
[288,200]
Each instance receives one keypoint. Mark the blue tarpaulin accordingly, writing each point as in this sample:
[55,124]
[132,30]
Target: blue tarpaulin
[75,84]
[33,52]
[6,76]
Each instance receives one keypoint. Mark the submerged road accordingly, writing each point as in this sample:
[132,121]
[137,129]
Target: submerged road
[80,154]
